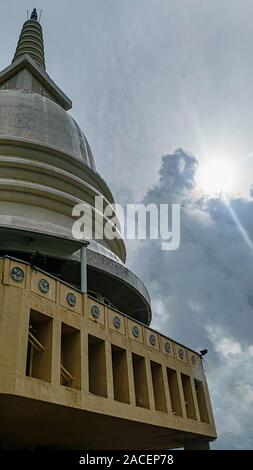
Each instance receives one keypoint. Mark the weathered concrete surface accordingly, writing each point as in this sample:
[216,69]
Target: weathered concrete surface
[38,119]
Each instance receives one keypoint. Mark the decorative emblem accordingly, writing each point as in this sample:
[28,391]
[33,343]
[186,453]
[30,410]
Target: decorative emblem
[43,285]
[167,347]
[194,360]
[71,299]
[181,353]
[117,322]
[95,311]
[135,331]
[17,274]
[152,340]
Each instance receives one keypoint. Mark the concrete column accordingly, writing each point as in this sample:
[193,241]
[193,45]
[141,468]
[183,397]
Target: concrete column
[109,374]
[56,352]
[181,394]
[197,444]
[22,325]
[150,385]
[84,362]
[130,378]
[194,397]
[166,389]
[83,261]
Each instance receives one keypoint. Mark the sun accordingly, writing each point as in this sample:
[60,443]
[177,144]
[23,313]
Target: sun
[216,177]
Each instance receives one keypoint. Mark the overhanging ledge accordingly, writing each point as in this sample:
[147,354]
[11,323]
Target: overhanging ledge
[38,239]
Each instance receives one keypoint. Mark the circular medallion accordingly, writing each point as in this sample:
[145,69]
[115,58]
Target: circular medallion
[167,347]
[152,340]
[117,322]
[43,285]
[71,299]
[181,353]
[95,311]
[17,274]
[194,360]
[135,331]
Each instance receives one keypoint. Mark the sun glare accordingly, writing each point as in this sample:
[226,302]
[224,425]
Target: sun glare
[215,177]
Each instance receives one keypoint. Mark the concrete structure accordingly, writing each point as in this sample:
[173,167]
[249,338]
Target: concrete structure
[79,364]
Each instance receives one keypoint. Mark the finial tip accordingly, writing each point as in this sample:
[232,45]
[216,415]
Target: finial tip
[34,15]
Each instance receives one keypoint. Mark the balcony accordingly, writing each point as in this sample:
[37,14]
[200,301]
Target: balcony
[101,379]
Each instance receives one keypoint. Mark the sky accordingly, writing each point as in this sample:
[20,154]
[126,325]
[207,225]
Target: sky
[161,88]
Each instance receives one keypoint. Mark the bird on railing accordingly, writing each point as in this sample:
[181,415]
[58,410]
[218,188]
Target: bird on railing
[203,352]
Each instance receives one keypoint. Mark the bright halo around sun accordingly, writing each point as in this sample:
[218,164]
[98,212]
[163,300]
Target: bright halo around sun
[216,177]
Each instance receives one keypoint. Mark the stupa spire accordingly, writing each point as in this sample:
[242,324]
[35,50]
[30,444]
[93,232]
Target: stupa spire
[31,41]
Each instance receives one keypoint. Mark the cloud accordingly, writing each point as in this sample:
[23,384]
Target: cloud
[176,178]
[202,293]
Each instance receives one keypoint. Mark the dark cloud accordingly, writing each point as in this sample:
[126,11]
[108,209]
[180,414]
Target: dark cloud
[202,293]
[176,178]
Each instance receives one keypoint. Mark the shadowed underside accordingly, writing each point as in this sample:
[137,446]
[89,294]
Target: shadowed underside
[64,428]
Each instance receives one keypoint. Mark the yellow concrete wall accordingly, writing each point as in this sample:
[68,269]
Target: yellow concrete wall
[103,333]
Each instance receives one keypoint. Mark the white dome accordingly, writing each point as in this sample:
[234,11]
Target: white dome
[35,118]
